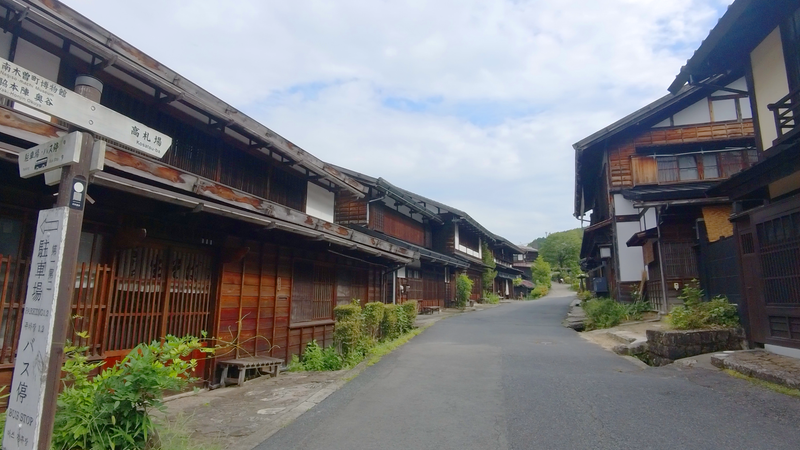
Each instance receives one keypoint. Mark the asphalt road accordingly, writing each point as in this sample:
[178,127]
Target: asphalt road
[513,378]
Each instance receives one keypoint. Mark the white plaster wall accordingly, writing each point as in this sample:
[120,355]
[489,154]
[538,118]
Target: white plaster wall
[631,259]
[623,206]
[648,220]
[663,123]
[319,202]
[724,110]
[769,83]
[694,114]
[36,60]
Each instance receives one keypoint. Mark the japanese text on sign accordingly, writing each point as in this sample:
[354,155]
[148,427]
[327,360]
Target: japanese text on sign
[36,334]
[30,89]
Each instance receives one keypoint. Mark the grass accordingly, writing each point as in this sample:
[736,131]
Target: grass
[383,349]
[765,384]
[175,434]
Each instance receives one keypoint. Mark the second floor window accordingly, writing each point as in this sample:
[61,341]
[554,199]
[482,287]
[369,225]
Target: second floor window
[704,166]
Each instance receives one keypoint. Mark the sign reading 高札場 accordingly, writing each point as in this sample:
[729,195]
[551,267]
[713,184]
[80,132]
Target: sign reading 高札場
[28,88]
[26,398]
[50,155]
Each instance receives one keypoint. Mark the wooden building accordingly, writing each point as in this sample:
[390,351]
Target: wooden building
[231,233]
[761,39]
[523,262]
[643,179]
[448,240]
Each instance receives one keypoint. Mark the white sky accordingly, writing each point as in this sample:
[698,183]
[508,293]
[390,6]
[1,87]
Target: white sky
[473,103]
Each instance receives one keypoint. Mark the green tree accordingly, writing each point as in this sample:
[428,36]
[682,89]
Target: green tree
[540,271]
[536,243]
[562,249]
[489,273]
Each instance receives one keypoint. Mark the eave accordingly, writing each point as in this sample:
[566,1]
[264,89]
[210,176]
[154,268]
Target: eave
[61,19]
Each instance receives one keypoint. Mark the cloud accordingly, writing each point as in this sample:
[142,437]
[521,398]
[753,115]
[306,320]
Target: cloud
[473,103]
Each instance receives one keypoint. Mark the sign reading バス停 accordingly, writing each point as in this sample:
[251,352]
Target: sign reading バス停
[50,155]
[26,398]
[23,86]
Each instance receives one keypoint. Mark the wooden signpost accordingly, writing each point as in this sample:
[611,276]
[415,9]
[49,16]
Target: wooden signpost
[23,86]
[37,369]
[23,417]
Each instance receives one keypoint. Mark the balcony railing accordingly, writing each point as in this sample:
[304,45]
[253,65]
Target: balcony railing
[784,111]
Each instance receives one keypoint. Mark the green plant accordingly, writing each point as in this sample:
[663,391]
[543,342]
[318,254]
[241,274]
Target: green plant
[373,315]
[317,358]
[491,298]
[489,272]
[634,311]
[409,316]
[584,295]
[463,290]
[603,313]
[539,291]
[389,329]
[695,313]
[540,271]
[113,409]
[347,332]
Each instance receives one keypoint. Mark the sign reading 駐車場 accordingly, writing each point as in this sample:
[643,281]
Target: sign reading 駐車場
[50,155]
[26,398]
[28,88]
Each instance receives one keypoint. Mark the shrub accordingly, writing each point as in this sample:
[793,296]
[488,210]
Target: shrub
[539,291]
[491,298]
[584,295]
[410,316]
[463,290]
[603,313]
[347,332]
[317,358]
[694,313]
[373,315]
[634,311]
[389,328]
[113,409]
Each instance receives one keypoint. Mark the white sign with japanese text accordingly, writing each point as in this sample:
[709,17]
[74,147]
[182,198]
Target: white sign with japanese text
[51,155]
[29,89]
[26,399]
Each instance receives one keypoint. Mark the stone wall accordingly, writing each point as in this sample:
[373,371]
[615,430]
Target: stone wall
[666,346]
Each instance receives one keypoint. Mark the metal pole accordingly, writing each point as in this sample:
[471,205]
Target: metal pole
[71,176]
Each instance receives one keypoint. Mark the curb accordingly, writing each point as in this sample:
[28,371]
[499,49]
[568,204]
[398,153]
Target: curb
[723,361]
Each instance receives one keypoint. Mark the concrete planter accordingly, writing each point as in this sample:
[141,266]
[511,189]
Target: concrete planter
[666,346]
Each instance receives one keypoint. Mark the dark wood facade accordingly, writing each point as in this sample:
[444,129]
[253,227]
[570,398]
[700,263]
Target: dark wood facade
[212,238]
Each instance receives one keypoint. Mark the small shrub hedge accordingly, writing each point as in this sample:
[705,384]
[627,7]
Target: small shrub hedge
[463,290]
[697,314]
[356,332]
[491,298]
[607,313]
[539,291]
[373,316]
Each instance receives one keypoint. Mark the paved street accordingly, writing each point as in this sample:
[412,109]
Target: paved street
[513,377]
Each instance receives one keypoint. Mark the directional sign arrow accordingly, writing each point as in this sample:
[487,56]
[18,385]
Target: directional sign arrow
[49,225]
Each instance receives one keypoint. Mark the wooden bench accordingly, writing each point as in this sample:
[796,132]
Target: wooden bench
[430,309]
[272,366]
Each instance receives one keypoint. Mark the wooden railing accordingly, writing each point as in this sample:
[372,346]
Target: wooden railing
[784,111]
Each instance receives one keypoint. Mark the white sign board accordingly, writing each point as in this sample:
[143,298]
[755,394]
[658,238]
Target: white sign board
[26,399]
[50,155]
[29,89]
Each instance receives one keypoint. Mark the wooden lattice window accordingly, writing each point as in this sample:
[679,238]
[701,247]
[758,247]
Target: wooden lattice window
[313,292]
[779,253]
